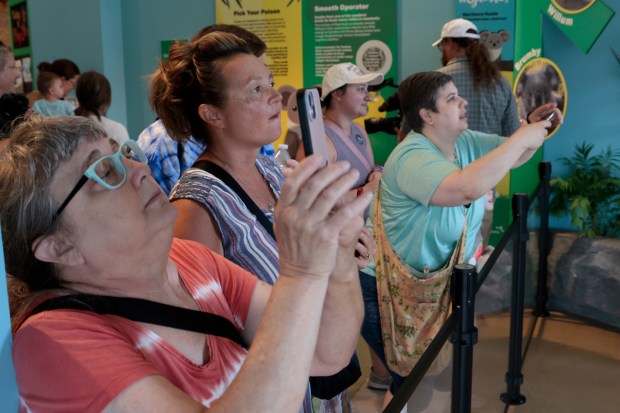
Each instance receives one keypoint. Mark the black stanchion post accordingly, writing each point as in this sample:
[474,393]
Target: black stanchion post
[514,378]
[464,337]
[544,242]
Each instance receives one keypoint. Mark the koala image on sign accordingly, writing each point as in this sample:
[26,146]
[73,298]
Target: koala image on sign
[573,5]
[494,41]
[286,91]
[537,87]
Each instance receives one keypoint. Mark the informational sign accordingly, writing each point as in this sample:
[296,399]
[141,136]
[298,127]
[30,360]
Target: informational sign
[278,24]
[305,38]
[348,31]
[363,33]
[496,23]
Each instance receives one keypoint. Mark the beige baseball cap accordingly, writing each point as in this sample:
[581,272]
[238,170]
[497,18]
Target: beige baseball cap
[346,74]
[458,28]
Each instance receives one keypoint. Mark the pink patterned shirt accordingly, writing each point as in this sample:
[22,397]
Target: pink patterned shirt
[78,361]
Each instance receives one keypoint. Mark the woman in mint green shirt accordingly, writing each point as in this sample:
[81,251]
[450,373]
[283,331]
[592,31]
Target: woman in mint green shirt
[442,167]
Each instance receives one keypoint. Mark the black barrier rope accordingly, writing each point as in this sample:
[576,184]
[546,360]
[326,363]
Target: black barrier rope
[484,272]
[542,189]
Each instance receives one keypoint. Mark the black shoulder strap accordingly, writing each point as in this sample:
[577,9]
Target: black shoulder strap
[146,311]
[181,156]
[220,173]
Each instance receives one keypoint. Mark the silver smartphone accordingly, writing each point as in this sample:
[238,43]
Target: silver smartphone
[311,122]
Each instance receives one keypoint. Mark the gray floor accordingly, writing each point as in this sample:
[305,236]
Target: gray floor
[570,367]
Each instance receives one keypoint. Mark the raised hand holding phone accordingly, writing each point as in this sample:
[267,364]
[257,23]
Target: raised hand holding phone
[311,122]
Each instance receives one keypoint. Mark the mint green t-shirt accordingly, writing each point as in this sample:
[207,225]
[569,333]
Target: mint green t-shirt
[423,235]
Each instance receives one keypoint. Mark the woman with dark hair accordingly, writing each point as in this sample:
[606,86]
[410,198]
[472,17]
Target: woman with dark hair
[94,95]
[68,71]
[427,213]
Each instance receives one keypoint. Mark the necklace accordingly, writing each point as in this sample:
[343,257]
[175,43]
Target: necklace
[269,201]
[255,192]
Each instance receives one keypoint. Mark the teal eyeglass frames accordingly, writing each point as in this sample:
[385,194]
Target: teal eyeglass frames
[108,171]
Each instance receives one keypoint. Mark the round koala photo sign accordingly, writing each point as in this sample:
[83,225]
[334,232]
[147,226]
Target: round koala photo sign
[538,82]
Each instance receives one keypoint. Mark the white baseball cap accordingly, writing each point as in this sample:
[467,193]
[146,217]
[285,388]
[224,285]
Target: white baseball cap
[458,28]
[346,74]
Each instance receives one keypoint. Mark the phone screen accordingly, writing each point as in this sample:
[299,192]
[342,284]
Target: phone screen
[311,122]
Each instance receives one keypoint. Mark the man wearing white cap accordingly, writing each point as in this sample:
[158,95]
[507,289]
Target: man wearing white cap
[491,105]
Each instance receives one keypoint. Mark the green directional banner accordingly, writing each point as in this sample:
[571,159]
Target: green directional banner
[582,21]
[361,32]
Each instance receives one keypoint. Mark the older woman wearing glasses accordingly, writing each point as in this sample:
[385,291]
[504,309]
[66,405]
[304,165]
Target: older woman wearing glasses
[82,215]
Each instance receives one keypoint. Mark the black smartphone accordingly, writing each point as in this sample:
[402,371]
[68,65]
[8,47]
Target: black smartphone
[550,116]
[311,122]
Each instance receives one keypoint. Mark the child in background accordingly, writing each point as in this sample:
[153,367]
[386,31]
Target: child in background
[50,85]
[94,94]
[69,74]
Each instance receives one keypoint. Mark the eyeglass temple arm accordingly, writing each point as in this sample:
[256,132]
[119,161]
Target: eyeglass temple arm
[69,197]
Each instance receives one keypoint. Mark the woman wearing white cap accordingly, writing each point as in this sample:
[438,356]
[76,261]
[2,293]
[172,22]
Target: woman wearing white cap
[345,97]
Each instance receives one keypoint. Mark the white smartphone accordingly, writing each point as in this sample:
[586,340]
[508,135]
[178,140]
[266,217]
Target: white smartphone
[311,122]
